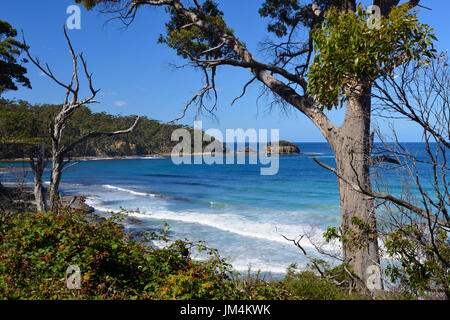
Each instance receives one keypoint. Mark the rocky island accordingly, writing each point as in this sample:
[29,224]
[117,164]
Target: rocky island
[284,147]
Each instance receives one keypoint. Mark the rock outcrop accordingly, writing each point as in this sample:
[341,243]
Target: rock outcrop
[285,147]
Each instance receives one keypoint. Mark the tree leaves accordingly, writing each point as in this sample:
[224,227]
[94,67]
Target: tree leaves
[286,14]
[11,72]
[349,52]
[185,37]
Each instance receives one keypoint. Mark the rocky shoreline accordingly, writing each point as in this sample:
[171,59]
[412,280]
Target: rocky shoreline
[92,158]
[20,198]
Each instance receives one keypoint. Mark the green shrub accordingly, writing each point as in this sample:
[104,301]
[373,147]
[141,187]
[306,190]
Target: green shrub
[307,285]
[421,265]
[36,250]
[252,287]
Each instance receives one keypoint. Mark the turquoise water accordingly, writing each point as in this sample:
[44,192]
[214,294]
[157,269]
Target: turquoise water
[235,209]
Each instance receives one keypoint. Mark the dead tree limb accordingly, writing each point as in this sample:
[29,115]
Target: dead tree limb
[72,102]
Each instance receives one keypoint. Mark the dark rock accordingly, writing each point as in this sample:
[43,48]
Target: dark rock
[79,204]
[285,147]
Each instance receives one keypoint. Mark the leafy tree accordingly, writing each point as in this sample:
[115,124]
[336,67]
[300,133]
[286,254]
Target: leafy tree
[11,71]
[349,56]
[349,52]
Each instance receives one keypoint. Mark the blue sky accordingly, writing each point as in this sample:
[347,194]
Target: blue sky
[136,75]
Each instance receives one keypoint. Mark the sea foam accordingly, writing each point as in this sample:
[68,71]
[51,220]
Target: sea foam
[233,223]
[144,194]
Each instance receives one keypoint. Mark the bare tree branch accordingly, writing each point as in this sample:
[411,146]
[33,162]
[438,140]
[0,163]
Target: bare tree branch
[94,134]
[384,196]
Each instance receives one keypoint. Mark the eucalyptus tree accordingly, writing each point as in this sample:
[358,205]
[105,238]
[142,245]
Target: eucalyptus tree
[12,72]
[345,50]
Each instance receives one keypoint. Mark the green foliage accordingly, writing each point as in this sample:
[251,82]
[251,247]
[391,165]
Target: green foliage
[11,72]
[349,52]
[210,280]
[420,266]
[183,36]
[357,236]
[307,285]
[254,287]
[36,250]
[22,125]
[89,4]
[283,13]
[332,233]
[287,14]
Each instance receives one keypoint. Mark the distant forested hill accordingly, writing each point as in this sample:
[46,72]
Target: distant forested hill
[23,124]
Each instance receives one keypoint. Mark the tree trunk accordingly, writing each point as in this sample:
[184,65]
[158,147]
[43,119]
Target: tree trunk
[352,147]
[38,167]
[351,144]
[39,192]
[55,179]
[57,131]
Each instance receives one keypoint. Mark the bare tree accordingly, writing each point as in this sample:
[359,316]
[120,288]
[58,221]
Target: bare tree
[420,216]
[413,223]
[38,162]
[72,102]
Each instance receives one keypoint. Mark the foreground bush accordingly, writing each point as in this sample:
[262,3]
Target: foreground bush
[36,250]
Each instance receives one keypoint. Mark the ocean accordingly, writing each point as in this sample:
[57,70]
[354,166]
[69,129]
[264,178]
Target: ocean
[244,215]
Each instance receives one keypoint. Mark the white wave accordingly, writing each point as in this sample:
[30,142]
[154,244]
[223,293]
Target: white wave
[17,184]
[145,157]
[237,225]
[143,194]
[96,204]
[255,265]
[124,158]
[252,229]
[97,159]
[216,204]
